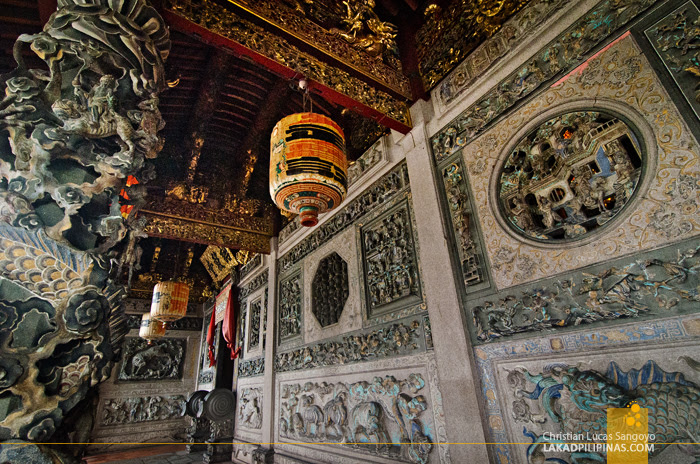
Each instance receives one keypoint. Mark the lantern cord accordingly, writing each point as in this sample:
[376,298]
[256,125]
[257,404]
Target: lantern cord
[307,100]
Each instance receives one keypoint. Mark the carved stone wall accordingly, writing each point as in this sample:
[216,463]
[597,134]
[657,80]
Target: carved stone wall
[663,209]
[254,324]
[390,414]
[144,399]
[162,359]
[249,414]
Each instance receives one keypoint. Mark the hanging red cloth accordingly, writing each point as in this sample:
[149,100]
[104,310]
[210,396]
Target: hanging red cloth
[210,338]
[229,327]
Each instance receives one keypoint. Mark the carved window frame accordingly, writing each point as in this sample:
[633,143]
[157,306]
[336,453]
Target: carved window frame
[649,154]
[313,279]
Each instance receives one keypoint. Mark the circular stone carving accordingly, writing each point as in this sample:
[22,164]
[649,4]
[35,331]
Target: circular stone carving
[195,403]
[330,289]
[219,405]
[569,176]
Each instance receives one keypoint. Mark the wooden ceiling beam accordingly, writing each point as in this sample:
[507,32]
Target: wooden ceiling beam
[266,117]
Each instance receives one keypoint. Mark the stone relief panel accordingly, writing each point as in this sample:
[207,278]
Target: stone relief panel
[251,368]
[461,212]
[250,408]
[384,416]
[290,307]
[390,263]
[254,324]
[379,193]
[401,338]
[663,210]
[206,373]
[376,155]
[257,282]
[675,40]
[515,418]
[659,283]
[330,289]
[569,176]
[121,411]
[549,396]
[160,360]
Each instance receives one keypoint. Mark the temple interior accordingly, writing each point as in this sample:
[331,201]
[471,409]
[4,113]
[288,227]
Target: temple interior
[324,231]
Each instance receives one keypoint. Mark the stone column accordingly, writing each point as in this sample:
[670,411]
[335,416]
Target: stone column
[268,427]
[458,376]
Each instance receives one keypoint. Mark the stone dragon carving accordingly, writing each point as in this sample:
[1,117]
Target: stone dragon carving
[576,401]
[71,139]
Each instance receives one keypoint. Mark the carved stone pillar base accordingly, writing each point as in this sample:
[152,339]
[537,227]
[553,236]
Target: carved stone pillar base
[218,452]
[263,455]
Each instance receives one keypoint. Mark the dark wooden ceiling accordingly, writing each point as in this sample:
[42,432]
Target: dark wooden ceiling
[221,105]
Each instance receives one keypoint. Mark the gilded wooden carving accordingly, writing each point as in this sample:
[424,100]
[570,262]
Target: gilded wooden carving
[224,22]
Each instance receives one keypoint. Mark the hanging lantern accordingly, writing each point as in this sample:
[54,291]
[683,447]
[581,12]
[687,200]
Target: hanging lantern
[308,166]
[151,329]
[169,301]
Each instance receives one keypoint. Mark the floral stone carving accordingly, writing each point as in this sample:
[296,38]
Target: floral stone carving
[330,289]
[380,417]
[575,402]
[161,359]
[75,132]
[571,175]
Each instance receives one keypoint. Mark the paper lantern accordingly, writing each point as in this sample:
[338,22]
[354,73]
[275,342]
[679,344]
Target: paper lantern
[308,166]
[151,329]
[169,301]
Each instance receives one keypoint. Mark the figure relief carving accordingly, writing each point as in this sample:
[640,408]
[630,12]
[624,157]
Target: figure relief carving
[145,409]
[254,328]
[250,408]
[330,289]
[290,307]
[391,271]
[362,28]
[382,417]
[162,359]
[570,176]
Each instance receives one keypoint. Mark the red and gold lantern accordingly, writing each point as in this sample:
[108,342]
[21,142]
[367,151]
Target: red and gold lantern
[169,301]
[151,329]
[308,166]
